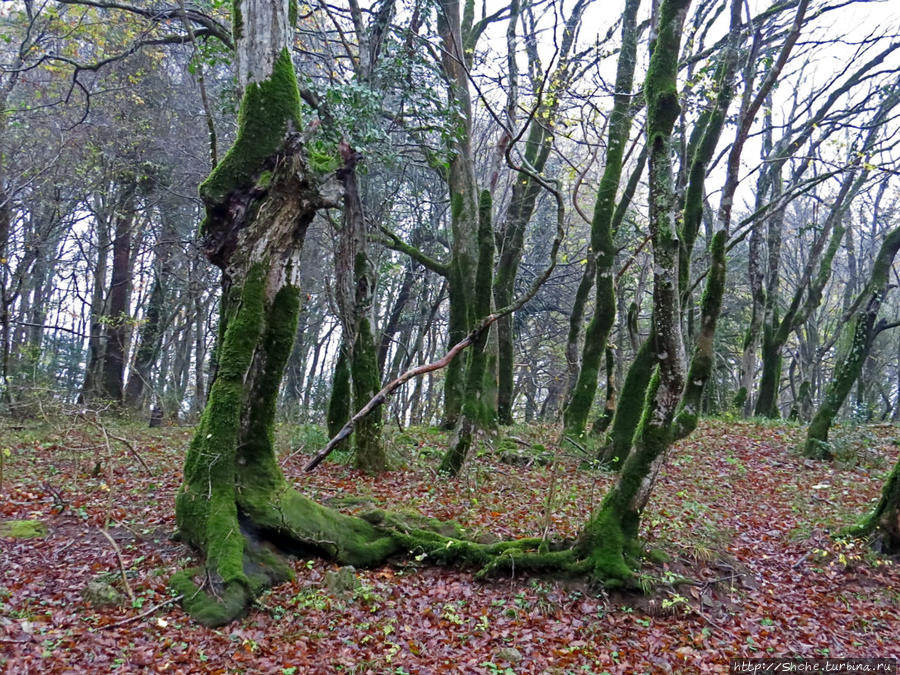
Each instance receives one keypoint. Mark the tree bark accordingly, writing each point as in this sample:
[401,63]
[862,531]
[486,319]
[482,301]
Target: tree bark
[610,539]
[848,370]
[579,405]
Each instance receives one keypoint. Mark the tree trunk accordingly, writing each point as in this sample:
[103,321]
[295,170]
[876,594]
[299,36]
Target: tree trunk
[118,329]
[882,526]
[579,405]
[848,370]
[355,290]
[96,337]
[474,413]
[610,538]
[260,200]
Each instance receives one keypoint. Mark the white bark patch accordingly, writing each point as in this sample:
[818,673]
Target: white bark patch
[266,31]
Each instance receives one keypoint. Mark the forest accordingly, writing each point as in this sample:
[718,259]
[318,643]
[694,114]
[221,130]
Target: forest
[426,336]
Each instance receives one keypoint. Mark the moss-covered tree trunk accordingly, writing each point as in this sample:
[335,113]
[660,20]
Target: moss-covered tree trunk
[882,525]
[524,192]
[578,407]
[355,281]
[473,408]
[457,40]
[260,200]
[609,540]
[847,371]
[339,402]
[631,404]
[701,149]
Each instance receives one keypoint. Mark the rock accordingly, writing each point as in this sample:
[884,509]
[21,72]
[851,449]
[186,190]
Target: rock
[101,594]
[22,529]
[508,654]
[342,581]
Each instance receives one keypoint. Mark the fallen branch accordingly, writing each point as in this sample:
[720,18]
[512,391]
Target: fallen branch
[121,564]
[124,441]
[444,361]
[143,614]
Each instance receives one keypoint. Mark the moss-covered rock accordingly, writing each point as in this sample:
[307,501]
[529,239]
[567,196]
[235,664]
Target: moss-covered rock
[23,529]
[101,594]
[342,581]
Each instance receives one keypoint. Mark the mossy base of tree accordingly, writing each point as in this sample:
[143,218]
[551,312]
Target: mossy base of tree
[295,525]
[814,448]
[882,525]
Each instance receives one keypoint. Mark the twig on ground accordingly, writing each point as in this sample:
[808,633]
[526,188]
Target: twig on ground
[121,564]
[143,614]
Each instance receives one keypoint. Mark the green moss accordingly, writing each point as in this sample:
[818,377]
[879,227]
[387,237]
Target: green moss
[883,523]
[237,20]
[658,556]
[260,472]
[264,180]
[817,449]
[370,454]
[209,610]
[339,403]
[631,404]
[269,109]
[205,506]
[23,529]
[603,544]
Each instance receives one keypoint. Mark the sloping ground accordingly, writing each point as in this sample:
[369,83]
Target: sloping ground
[740,514]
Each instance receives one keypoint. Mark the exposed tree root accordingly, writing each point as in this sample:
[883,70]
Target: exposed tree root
[295,525]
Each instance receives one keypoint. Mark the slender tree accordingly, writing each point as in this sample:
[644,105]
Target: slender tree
[864,330]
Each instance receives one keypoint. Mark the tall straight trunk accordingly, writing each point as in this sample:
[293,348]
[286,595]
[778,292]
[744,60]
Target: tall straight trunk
[393,322]
[150,336]
[356,287]
[848,370]
[602,246]
[96,336]
[455,30]
[473,410]
[339,402]
[149,341]
[610,538]
[118,330]
[588,277]
[523,198]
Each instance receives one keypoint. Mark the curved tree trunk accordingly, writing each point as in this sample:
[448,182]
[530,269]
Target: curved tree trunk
[260,200]
[610,539]
[847,371]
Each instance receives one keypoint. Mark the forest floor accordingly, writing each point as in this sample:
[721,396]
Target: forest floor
[742,516]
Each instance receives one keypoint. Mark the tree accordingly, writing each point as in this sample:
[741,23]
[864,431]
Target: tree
[882,525]
[260,200]
[864,330]
[602,251]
